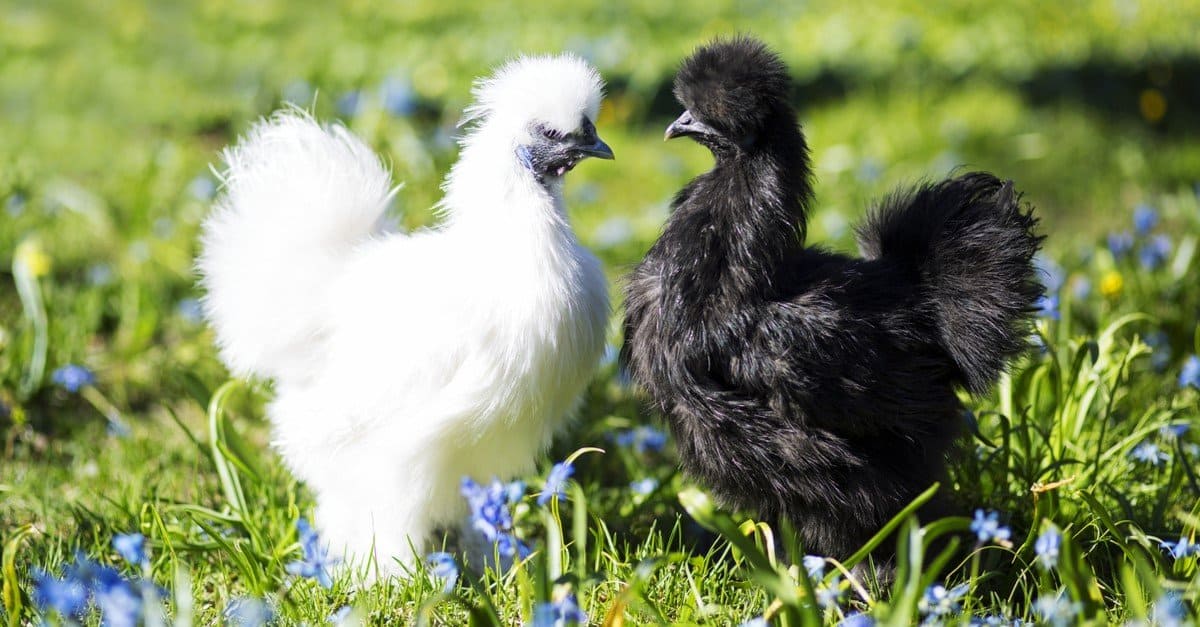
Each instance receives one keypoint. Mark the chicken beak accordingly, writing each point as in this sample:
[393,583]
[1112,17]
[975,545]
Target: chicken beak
[598,149]
[686,125]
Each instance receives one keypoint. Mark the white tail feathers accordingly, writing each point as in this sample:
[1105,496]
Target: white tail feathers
[297,199]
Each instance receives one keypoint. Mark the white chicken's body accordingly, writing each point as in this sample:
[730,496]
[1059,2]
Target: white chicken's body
[411,360]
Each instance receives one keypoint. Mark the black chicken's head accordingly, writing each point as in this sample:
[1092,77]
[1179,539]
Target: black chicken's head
[734,90]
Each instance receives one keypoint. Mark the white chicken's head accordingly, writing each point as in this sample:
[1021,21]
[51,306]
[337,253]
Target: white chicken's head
[543,109]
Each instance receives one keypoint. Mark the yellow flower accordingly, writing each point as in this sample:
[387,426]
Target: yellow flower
[33,258]
[1112,284]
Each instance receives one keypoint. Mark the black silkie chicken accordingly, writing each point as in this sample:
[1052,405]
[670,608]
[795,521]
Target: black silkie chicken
[801,383]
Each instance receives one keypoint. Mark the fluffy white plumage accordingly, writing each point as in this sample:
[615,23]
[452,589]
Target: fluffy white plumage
[404,362]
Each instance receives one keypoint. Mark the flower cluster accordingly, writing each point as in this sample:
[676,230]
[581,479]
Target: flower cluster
[1148,452]
[1058,610]
[987,528]
[85,583]
[1181,549]
[1153,249]
[938,601]
[491,514]
[395,95]
[642,439]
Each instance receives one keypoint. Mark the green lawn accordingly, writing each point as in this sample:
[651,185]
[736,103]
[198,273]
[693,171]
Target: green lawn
[111,113]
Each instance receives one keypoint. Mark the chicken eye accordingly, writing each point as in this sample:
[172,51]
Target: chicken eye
[552,134]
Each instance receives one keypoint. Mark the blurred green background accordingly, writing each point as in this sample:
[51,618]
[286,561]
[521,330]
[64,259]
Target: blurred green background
[111,110]
[112,113]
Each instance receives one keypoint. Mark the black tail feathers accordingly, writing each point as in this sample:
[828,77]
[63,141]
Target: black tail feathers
[972,243]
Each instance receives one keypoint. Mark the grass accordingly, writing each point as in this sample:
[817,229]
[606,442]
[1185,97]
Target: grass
[111,113]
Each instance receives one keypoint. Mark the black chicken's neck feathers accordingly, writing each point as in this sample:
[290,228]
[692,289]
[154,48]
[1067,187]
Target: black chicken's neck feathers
[734,225]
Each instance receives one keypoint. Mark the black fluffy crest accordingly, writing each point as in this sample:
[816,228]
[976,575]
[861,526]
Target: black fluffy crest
[733,84]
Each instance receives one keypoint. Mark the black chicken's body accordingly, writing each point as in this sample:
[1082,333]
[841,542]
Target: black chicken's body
[802,383]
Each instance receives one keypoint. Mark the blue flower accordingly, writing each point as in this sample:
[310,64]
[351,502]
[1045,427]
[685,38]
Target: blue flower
[987,527]
[815,565]
[490,514]
[508,545]
[1081,287]
[564,611]
[1048,547]
[349,104]
[489,507]
[72,377]
[340,616]
[99,275]
[132,547]
[1148,453]
[1047,306]
[644,486]
[610,356]
[247,612]
[829,594]
[857,619]
[1181,549]
[757,621]
[869,170]
[15,205]
[190,310]
[1052,274]
[556,483]
[1119,244]
[989,621]
[642,439]
[398,96]
[316,562]
[67,595]
[938,601]
[1058,611]
[298,92]
[120,605]
[443,567]
[1160,346]
[119,600]
[1169,610]
[1173,432]
[1145,218]
[202,188]
[1190,374]
[1154,253]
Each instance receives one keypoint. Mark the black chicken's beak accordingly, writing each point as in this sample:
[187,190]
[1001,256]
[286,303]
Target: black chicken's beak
[685,125]
[597,149]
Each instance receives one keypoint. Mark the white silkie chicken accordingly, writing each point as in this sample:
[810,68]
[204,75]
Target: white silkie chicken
[405,361]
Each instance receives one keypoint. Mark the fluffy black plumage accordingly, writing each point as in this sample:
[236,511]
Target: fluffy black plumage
[799,382]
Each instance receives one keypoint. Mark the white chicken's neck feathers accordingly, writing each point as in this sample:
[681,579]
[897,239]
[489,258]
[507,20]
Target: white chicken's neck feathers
[489,184]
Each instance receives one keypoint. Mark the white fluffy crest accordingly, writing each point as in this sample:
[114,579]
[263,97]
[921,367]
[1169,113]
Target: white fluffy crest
[555,90]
